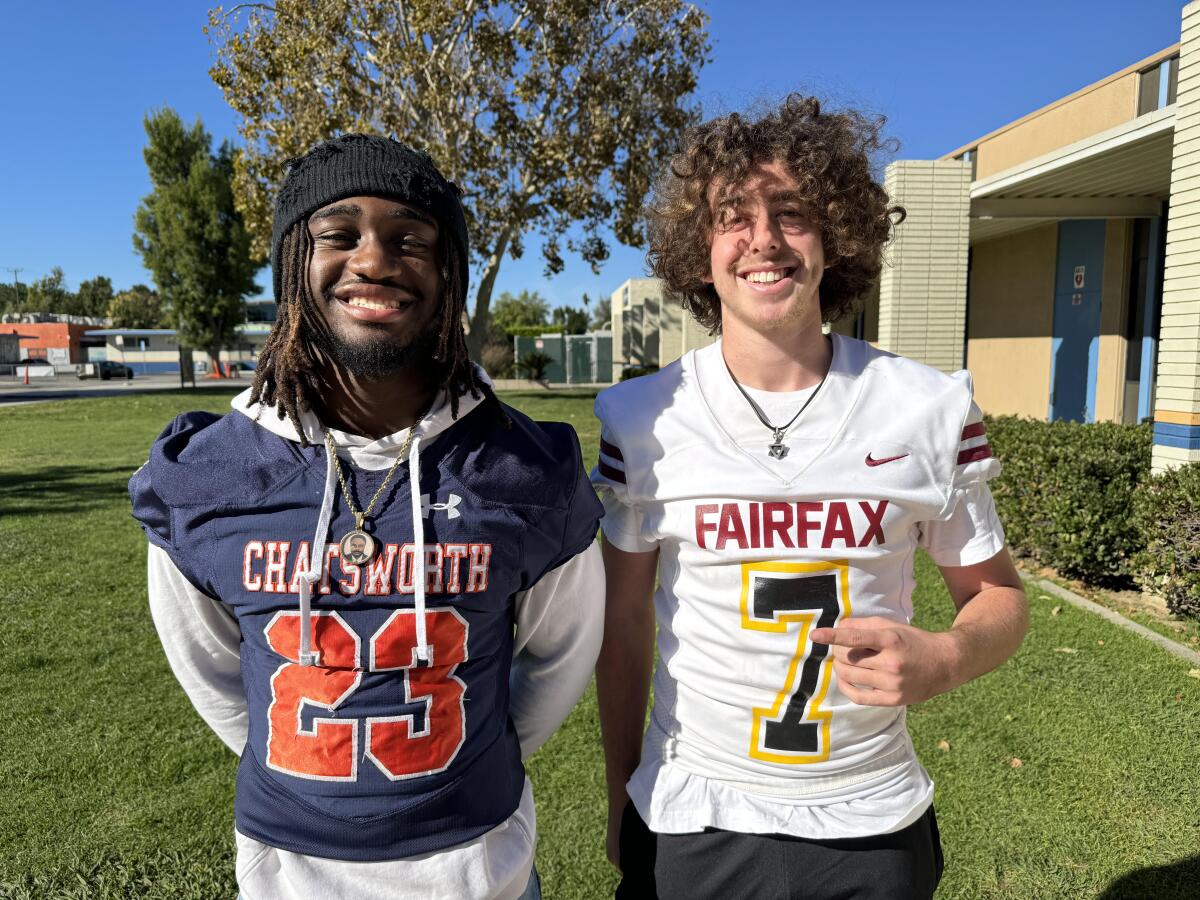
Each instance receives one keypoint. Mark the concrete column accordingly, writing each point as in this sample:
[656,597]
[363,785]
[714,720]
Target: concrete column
[620,337]
[1177,387]
[923,288]
[1114,313]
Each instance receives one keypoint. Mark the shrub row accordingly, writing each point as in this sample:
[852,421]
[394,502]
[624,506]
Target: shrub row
[1080,498]
[1168,513]
[1066,493]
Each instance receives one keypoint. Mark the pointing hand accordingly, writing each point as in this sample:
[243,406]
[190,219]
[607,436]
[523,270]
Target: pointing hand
[884,663]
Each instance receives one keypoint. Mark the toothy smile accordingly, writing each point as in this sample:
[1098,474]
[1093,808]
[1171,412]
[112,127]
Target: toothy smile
[373,304]
[767,276]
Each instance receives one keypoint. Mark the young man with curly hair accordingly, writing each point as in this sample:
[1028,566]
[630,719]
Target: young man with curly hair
[376,583]
[777,483]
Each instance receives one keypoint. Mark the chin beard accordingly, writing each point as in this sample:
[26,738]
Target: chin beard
[381,356]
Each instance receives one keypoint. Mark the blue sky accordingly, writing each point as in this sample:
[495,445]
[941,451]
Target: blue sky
[78,77]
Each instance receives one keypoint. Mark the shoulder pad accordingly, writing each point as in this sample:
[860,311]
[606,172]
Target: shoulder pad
[630,408]
[203,459]
[531,464]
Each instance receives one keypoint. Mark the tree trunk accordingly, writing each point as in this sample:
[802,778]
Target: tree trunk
[214,355]
[481,318]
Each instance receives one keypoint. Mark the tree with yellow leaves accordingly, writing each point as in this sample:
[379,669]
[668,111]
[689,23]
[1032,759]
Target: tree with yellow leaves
[552,116]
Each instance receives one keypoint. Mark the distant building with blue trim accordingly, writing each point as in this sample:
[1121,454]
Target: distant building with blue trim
[156,350]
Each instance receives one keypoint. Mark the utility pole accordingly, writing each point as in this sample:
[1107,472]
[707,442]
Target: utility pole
[15,271]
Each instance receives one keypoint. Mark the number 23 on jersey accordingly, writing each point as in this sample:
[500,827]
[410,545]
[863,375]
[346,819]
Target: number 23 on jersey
[407,745]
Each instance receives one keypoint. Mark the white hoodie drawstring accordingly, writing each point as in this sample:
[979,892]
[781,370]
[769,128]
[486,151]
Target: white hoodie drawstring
[316,564]
[414,481]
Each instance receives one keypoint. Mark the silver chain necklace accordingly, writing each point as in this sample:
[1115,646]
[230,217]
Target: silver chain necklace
[778,449]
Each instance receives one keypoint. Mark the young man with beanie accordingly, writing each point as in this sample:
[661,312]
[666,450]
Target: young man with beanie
[375,582]
[778,482]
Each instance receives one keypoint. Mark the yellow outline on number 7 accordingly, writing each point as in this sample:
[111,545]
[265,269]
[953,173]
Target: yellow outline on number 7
[778,623]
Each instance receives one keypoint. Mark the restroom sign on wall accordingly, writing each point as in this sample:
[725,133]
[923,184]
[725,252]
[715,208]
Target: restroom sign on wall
[1079,273]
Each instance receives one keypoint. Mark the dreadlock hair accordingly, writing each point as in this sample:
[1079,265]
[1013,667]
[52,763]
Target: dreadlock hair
[288,374]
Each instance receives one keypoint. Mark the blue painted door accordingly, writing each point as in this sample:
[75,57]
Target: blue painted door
[1079,277]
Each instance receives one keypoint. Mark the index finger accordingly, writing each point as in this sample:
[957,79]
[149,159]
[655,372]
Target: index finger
[848,637]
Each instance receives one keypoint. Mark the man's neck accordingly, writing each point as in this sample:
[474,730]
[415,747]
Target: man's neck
[783,360]
[375,408]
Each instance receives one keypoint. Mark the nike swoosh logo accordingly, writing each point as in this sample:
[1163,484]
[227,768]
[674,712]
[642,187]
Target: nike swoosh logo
[871,461]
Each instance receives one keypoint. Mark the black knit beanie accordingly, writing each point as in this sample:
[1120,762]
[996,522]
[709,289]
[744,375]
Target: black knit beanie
[364,165]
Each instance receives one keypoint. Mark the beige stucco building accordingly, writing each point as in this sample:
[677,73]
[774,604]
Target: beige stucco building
[1056,257]
[649,326]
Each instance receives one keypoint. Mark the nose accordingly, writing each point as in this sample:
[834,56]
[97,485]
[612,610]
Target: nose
[372,259]
[764,234]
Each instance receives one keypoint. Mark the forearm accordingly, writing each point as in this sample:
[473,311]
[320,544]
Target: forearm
[623,691]
[201,642]
[987,630]
[625,665]
[559,626]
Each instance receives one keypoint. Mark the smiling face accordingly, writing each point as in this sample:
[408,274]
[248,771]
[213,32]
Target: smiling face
[766,255]
[375,274]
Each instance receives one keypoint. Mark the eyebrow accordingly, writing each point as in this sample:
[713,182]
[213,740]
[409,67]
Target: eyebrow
[778,197]
[353,211]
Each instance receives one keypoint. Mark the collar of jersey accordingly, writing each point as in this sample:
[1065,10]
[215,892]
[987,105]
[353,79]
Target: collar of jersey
[725,405]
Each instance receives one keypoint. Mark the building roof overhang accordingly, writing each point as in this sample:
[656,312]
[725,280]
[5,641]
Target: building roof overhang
[1124,172]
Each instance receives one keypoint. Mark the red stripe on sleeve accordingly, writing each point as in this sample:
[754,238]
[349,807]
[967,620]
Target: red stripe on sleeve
[611,450]
[610,473]
[983,451]
[973,430]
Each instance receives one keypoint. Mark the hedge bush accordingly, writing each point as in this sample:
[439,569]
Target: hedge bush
[1066,495]
[1168,515]
[532,331]
[497,359]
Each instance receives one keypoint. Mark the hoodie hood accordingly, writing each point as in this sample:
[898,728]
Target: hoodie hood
[437,420]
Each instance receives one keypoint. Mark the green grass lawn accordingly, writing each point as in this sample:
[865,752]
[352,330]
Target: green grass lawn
[116,789]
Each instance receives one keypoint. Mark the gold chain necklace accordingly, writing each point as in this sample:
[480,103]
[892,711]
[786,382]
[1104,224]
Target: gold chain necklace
[356,545]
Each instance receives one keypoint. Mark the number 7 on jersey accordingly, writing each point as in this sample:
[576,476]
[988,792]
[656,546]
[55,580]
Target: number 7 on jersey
[776,596]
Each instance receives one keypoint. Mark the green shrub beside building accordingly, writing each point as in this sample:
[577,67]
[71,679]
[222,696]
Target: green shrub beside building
[1080,498]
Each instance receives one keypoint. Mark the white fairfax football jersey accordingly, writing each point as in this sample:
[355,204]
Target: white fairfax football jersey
[750,730]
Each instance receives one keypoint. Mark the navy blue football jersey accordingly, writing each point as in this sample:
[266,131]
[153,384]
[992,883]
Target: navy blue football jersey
[371,753]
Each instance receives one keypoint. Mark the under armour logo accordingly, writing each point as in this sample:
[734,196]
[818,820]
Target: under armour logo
[450,507]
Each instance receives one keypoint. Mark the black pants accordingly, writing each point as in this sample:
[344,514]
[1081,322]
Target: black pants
[729,865]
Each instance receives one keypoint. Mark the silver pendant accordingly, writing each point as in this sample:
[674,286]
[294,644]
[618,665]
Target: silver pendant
[357,547]
[777,449]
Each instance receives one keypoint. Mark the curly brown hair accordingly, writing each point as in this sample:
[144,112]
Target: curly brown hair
[828,154]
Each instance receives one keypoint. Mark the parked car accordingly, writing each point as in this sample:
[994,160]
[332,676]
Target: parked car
[103,370]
